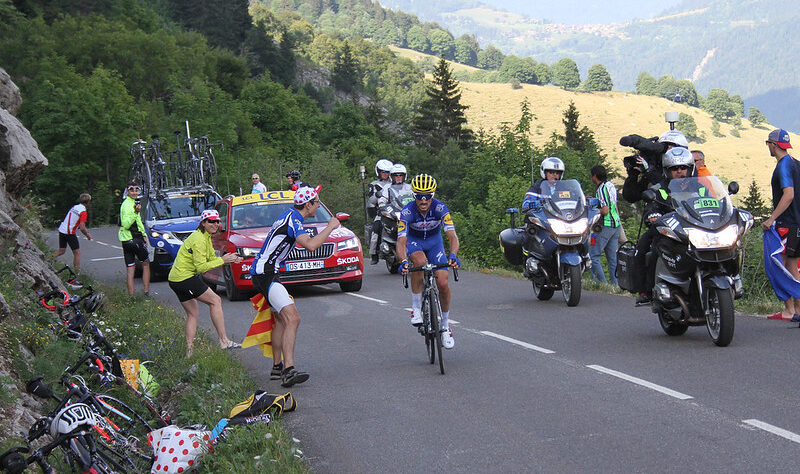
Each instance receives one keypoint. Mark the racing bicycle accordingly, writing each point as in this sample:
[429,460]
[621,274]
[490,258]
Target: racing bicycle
[431,310]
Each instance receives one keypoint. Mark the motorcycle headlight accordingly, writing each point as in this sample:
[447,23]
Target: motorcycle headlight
[569,228]
[246,252]
[722,238]
[348,244]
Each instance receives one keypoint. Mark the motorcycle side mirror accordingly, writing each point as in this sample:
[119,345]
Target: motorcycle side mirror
[36,387]
[649,195]
[512,211]
[342,216]
[733,187]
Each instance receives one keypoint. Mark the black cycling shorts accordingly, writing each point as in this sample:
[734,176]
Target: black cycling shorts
[133,249]
[68,239]
[189,289]
[791,237]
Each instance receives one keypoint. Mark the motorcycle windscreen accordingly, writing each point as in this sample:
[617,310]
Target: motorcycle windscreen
[566,200]
[400,201]
[701,201]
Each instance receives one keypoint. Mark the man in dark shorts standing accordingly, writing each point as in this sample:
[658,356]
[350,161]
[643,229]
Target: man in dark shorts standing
[131,235]
[786,214]
[68,230]
[286,231]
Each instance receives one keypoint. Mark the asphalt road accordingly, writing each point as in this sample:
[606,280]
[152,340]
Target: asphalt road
[530,386]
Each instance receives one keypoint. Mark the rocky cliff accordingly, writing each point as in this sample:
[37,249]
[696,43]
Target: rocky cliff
[22,263]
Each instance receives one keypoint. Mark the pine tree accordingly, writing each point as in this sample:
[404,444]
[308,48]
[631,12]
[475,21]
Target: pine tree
[754,203]
[575,137]
[441,115]
[345,74]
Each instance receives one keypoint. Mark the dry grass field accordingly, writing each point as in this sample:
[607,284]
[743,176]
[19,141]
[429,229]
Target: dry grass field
[611,115]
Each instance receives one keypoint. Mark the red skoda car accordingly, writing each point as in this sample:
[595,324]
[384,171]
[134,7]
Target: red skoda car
[246,222]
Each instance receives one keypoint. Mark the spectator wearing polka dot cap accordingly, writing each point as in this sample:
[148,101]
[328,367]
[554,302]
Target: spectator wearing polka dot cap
[287,231]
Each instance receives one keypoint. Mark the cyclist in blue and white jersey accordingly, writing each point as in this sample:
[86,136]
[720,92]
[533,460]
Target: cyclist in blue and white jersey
[286,231]
[419,237]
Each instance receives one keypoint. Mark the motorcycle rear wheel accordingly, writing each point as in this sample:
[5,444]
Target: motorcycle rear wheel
[720,319]
[672,328]
[540,291]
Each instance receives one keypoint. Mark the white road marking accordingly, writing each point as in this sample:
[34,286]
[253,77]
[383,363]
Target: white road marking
[453,321]
[409,309]
[368,298]
[101,243]
[519,343]
[106,258]
[643,383]
[774,430]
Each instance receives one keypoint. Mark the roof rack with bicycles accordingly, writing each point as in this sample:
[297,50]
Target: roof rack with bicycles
[157,172]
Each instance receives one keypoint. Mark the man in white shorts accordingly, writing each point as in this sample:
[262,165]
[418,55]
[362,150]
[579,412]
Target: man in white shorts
[286,231]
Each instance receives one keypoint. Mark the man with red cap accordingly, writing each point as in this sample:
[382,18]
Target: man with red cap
[786,214]
[286,231]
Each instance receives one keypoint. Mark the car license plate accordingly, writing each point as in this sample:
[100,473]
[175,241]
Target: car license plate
[311,265]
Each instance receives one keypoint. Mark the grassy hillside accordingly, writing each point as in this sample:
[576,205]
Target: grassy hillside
[611,115]
[417,56]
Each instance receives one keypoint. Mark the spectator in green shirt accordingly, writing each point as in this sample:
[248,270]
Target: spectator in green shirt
[132,236]
[196,256]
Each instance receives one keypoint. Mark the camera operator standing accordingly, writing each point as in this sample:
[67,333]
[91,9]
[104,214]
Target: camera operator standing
[131,235]
[645,170]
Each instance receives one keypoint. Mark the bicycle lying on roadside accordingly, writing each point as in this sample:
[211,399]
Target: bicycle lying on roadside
[102,359]
[95,433]
[431,328]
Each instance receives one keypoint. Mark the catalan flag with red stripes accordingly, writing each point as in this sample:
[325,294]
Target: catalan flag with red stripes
[260,331]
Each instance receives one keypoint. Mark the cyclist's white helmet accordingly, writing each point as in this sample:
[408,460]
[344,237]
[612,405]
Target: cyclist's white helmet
[552,163]
[384,166]
[676,157]
[399,169]
[674,137]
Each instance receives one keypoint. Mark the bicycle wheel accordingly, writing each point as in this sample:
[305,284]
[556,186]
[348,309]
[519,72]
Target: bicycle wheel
[430,348]
[117,459]
[140,171]
[127,433]
[210,169]
[436,326]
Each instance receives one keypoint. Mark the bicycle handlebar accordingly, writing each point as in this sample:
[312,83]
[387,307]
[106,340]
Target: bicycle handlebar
[430,268]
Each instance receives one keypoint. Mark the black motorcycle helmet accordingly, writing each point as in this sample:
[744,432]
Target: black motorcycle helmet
[294,174]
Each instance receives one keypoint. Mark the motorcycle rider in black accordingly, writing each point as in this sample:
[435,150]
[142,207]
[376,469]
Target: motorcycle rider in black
[677,163]
[382,169]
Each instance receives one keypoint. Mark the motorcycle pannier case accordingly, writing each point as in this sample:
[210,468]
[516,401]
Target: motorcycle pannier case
[630,277]
[511,245]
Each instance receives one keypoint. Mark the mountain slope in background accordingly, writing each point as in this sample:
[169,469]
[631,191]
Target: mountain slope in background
[568,12]
[738,45]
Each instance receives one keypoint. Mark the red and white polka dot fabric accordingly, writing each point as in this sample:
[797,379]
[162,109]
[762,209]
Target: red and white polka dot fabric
[305,194]
[177,450]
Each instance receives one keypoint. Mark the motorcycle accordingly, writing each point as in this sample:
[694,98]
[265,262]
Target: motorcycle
[390,217]
[699,252]
[553,243]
